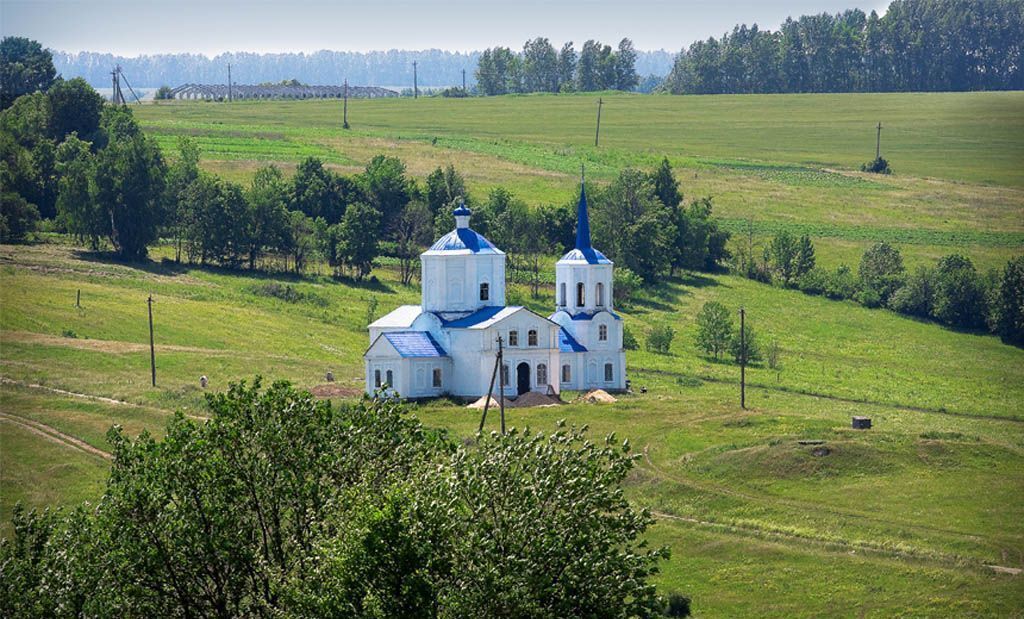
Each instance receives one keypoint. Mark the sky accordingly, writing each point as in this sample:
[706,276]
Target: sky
[131,28]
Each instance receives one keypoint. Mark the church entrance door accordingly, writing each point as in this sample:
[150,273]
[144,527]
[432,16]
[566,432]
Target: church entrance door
[522,378]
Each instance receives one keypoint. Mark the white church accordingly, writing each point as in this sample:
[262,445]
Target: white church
[447,345]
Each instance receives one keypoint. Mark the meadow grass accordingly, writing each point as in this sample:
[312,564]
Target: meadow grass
[881,524]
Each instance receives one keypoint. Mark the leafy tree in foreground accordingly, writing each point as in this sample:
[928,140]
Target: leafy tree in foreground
[282,505]
[714,328]
[74,107]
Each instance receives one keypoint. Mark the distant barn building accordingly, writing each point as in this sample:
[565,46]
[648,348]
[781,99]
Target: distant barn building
[278,91]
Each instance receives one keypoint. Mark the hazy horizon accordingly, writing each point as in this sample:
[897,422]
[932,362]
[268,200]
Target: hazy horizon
[131,29]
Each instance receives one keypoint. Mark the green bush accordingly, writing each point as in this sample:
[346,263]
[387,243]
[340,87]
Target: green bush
[659,340]
[629,340]
[841,284]
[879,166]
[747,348]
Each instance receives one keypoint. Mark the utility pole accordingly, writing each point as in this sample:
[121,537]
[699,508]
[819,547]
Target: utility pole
[117,96]
[229,82]
[501,382]
[878,142]
[415,86]
[152,350]
[463,81]
[344,124]
[78,299]
[597,136]
[490,388]
[743,359]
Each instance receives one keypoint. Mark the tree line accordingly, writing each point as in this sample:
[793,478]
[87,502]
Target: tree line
[542,68]
[282,505]
[918,45]
[953,292]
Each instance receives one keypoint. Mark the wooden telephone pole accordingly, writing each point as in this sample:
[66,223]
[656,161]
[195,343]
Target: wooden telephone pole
[344,123]
[415,83]
[878,142]
[463,81]
[501,389]
[152,349]
[743,359]
[597,136]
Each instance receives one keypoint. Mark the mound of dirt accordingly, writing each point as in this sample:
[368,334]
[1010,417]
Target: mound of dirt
[479,404]
[532,398]
[598,396]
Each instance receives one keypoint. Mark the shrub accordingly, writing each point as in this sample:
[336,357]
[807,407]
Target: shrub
[624,283]
[814,281]
[747,348]
[629,340]
[714,328]
[18,218]
[880,272]
[659,340]
[917,296]
[1008,303]
[842,284]
[677,605]
[163,93]
[878,166]
[960,299]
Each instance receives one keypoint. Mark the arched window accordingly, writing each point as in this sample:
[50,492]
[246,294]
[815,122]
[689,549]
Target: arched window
[600,295]
[581,295]
[376,379]
[485,291]
[561,296]
[504,373]
[602,333]
[542,374]
[531,337]
[513,338]
[566,373]
[391,379]
[609,372]
[437,377]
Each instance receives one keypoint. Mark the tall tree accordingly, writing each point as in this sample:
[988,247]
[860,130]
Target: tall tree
[626,77]
[566,67]
[540,66]
[77,210]
[358,241]
[387,190]
[25,67]
[267,221]
[74,107]
[588,75]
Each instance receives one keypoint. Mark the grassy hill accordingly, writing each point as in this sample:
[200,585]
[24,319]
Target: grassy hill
[898,520]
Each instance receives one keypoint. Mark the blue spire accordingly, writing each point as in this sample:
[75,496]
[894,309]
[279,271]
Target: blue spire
[582,219]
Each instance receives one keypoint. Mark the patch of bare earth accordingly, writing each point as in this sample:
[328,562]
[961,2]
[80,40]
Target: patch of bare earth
[53,434]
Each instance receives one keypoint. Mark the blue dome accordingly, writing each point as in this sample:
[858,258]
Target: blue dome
[588,255]
[464,240]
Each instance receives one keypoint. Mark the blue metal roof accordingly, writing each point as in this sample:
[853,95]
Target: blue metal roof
[591,315]
[462,239]
[582,220]
[415,344]
[481,315]
[567,343]
[588,255]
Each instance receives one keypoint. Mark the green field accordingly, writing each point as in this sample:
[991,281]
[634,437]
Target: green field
[901,520]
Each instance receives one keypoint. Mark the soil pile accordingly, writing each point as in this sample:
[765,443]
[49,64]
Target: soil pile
[598,396]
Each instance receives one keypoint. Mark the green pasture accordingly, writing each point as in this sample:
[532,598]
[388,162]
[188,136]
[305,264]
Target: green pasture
[898,520]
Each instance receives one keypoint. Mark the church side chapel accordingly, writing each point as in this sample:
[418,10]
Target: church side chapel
[448,344]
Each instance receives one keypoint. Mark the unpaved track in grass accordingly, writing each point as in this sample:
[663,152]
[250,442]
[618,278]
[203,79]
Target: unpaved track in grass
[95,398]
[866,545]
[53,434]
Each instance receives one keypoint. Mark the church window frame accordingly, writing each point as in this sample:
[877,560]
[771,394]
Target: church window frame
[390,382]
[485,291]
[542,374]
[436,378]
[531,337]
[513,338]
[566,373]
[599,295]
[505,371]
[376,378]
[602,333]
[561,297]
[581,294]
[609,372]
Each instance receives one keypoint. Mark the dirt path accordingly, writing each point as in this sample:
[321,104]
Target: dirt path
[54,435]
[95,398]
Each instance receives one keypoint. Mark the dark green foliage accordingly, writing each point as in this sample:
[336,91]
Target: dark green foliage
[917,295]
[881,272]
[659,339]
[387,190]
[281,505]
[944,45]
[879,166]
[841,283]
[744,347]
[18,218]
[1008,303]
[666,187]
[714,328]
[313,192]
[74,107]
[444,187]
[266,222]
[357,243]
[163,93]
[413,232]
[540,69]
[781,257]
[558,224]
[25,67]
[677,605]
[624,284]
[77,210]
[129,185]
[814,281]
[959,294]
[629,340]
[632,226]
